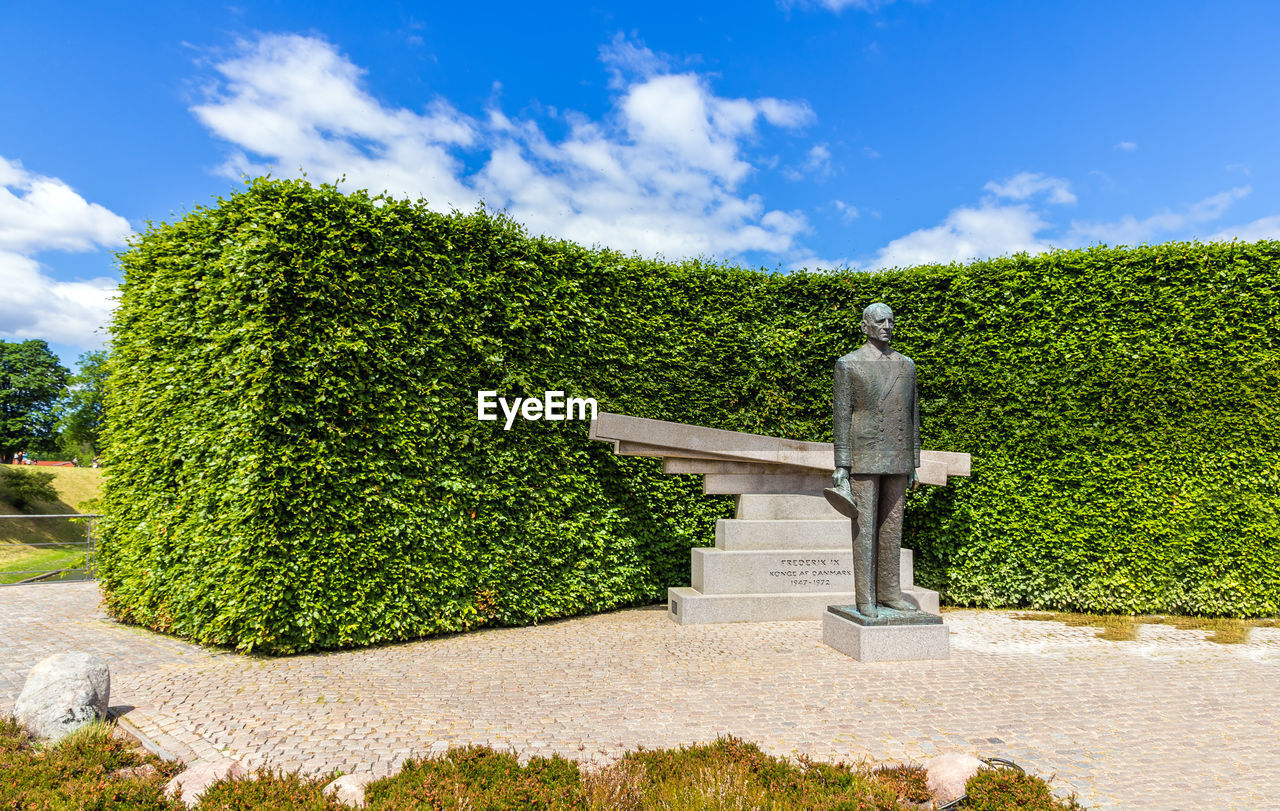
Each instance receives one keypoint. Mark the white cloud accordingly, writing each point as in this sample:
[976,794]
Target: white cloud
[966,234]
[43,213]
[997,229]
[1264,228]
[37,306]
[39,213]
[837,5]
[625,58]
[817,162]
[787,114]
[1129,230]
[661,175]
[295,102]
[1027,184]
[1125,146]
[848,213]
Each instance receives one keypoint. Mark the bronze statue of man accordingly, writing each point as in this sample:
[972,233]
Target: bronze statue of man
[877,451]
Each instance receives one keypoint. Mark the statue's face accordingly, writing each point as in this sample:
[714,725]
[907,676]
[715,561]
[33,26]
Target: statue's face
[878,325]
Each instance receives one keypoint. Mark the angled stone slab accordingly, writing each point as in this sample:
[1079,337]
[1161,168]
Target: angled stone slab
[715,442]
[931,471]
[638,436]
[958,464]
[763,483]
[624,447]
[702,467]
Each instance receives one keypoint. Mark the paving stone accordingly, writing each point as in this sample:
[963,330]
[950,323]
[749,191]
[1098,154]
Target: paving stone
[1166,720]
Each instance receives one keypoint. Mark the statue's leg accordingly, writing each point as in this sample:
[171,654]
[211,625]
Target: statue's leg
[892,501]
[865,490]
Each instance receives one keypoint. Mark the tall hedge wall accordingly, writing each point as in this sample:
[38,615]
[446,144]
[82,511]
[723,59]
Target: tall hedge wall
[296,461]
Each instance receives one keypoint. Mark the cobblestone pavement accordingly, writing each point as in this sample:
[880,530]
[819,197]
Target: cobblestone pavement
[1169,720]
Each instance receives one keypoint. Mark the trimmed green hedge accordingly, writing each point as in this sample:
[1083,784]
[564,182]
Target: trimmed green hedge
[296,461]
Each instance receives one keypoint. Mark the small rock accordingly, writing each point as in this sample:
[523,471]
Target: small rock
[349,788]
[189,785]
[948,773]
[63,693]
[132,772]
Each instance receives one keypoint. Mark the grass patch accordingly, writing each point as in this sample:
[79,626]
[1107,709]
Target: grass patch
[911,783]
[76,486]
[1011,790]
[730,774]
[16,558]
[479,777]
[23,541]
[77,772]
[267,789]
[84,771]
[1124,628]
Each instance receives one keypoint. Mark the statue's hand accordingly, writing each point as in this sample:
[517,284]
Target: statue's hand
[840,476]
[913,481]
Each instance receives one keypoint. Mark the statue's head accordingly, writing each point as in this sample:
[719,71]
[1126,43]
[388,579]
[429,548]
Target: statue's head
[877,322]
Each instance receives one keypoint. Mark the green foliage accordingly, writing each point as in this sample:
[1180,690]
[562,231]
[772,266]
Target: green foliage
[731,773]
[82,772]
[296,461]
[1004,789]
[80,414]
[22,488]
[268,789]
[479,777]
[77,772]
[908,782]
[31,381]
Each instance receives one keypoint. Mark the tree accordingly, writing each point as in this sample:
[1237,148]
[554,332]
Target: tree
[31,383]
[21,487]
[81,412]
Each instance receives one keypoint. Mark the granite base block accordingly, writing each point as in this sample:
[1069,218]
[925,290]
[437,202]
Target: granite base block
[886,643]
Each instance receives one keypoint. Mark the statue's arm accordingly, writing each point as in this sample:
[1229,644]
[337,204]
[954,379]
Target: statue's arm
[842,428]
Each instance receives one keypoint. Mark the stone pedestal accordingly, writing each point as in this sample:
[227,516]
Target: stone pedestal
[885,643]
[784,557]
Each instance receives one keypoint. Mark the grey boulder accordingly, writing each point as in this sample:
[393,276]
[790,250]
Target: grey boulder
[63,693]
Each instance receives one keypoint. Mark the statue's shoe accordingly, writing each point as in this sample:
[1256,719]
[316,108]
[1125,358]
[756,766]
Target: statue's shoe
[868,610]
[898,605]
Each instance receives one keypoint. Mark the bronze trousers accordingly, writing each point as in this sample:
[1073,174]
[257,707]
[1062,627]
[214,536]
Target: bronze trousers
[877,536]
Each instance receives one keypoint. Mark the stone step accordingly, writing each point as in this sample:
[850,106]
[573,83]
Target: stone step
[775,571]
[687,606]
[736,534]
[783,507]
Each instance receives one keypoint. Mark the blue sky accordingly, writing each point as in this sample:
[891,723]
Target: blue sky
[771,134]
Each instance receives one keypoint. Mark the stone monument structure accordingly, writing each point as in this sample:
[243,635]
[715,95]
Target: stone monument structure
[786,554]
[876,453]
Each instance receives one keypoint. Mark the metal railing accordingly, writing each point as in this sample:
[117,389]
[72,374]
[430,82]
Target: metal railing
[59,575]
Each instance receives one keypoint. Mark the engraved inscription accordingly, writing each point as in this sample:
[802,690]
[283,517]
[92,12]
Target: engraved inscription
[810,572]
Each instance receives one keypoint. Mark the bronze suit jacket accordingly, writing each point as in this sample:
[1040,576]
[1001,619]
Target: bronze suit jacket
[877,412]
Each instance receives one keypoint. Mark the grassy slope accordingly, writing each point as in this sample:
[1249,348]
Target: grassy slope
[75,487]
